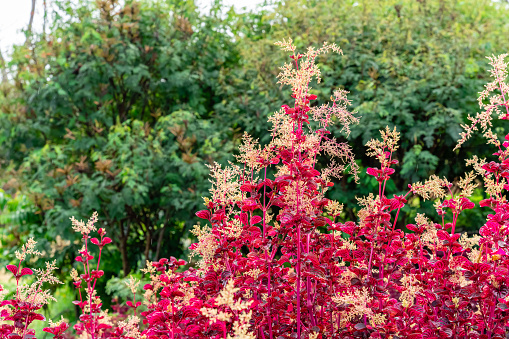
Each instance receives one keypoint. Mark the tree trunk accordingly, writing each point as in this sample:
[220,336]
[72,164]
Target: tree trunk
[148,242]
[30,23]
[3,69]
[159,242]
[125,258]
[123,248]
[45,19]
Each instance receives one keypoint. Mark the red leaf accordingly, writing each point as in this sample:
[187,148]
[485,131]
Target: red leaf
[13,269]
[486,202]
[313,258]
[442,235]
[255,219]
[38,316]
[412,227]
[25,271]
[94,241]
[247,187]
[255,230]
[106,241]
[203,214]
[373,171]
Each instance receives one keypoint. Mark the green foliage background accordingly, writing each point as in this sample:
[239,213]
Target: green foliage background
[119,108]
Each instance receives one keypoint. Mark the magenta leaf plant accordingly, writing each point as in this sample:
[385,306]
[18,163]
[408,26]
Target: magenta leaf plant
[276,262]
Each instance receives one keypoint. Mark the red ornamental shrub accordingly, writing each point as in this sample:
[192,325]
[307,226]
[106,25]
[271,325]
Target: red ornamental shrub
[276,263]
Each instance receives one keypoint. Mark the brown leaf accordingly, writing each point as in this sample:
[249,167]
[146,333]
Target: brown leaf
[103,165]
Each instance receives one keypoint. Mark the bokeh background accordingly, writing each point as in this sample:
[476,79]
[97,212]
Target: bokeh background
[118,106]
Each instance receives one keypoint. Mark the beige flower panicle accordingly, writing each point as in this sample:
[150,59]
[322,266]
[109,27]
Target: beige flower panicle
[238,307]
[477,165]
[491,186]
[133,284]
[357,300]
[149,268]
[233,229]
[299,74]
[411,289]
[34,293]
[388,143]
[249,150]
[469,242]
[337,109]
[281,129]
[496,94]
[434,187]
[131,327]
[27,249]
[75,275]
[206,246]
[225,183]
[368,204]
[57,323]
[467,184]
[344,153]
[82,227]
[334,208]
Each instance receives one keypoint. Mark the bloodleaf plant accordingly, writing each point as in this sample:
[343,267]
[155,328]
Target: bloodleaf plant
[94,322]
[263,247]
[19,312]
[275,262]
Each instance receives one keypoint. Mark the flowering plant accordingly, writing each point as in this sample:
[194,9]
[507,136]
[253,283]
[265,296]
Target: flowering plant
[275,262]
[22,308]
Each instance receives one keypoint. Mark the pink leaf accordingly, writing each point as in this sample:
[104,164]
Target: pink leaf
[94,241]
[412,227]
[12,268]
[247,187]
[203,214]
[106,241]
[486,202]
[25,271]
[373,171]
[255,219]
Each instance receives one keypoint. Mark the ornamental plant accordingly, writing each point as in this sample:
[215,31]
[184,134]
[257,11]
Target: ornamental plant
[20,311]
[275,261]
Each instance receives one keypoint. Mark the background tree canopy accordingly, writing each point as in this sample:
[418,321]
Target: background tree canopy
[119,108]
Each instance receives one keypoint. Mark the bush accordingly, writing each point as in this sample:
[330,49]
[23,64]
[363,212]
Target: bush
[276,263]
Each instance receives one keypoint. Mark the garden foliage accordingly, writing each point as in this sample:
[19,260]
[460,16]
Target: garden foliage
[115,117]
[120,105]
[275,262]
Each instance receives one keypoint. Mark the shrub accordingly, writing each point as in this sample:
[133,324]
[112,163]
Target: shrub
[276,263]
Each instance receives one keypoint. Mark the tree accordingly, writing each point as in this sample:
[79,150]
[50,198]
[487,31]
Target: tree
[118,117]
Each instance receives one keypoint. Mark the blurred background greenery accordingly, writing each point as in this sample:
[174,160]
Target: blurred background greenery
[118,106]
